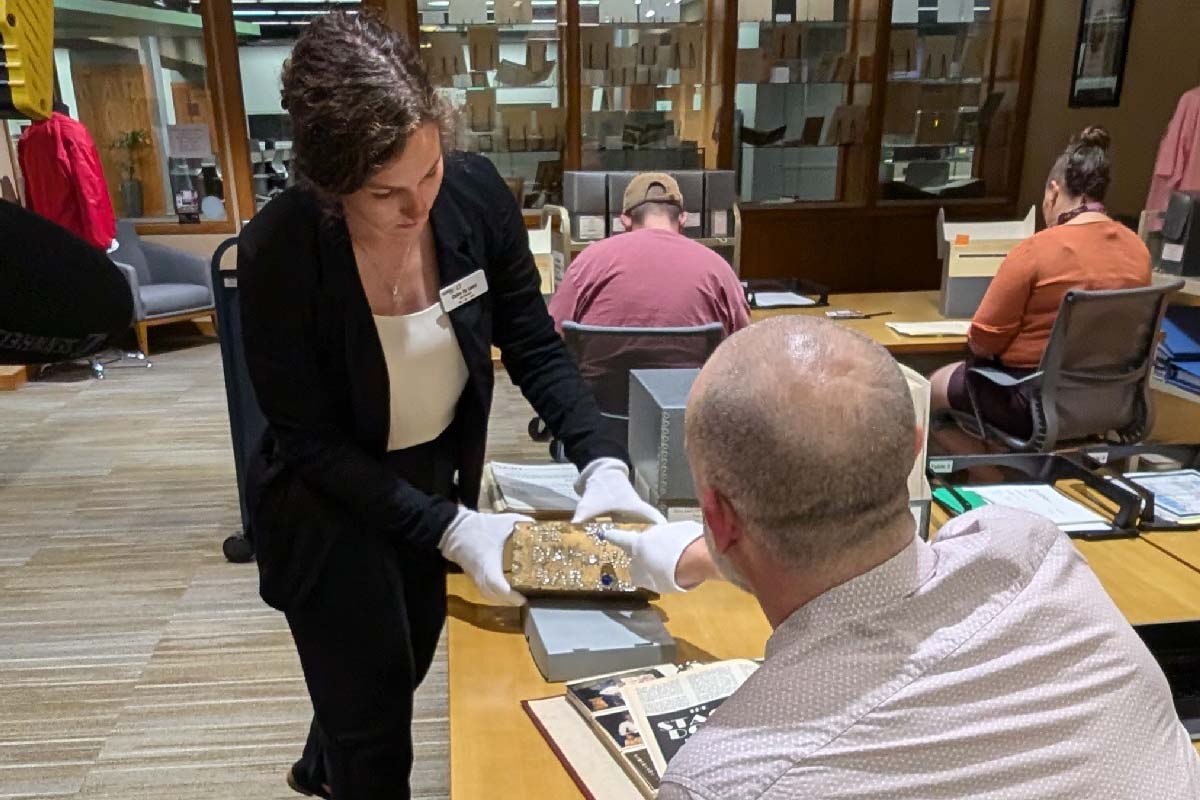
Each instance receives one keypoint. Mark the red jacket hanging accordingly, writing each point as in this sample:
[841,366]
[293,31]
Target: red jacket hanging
[64,181]
[1177,167]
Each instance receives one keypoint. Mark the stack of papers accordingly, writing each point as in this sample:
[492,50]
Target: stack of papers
[1046,501]
[949,327]
[535,488]
[1176,494]
[782,300]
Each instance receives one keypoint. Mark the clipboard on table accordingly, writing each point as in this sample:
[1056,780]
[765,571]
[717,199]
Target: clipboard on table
[785,293]
[1117,506]
[1155,515]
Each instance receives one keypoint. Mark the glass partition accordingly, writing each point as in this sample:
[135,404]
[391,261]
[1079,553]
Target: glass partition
[497,61]
[135,75]
[803,96]
[274,27]
[646,86]
[953,78]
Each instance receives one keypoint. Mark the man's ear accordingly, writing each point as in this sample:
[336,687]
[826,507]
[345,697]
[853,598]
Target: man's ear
[626,222]
[919,440]
[683,218]
[721,518]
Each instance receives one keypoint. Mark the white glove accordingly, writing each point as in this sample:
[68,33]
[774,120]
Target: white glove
[655,553]
[475,542]
[605,491]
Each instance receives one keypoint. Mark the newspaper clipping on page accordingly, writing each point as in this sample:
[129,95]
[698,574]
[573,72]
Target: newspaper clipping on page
[669,710]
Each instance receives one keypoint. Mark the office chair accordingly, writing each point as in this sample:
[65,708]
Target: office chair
[1093,382]
[246,420]
[605,356]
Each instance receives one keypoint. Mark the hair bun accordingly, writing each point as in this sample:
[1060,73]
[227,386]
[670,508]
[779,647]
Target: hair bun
[1094,136]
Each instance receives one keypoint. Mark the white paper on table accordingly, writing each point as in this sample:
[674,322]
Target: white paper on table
[527,488]
[1176,492]
[1046,501]
[781,300]
[949,327]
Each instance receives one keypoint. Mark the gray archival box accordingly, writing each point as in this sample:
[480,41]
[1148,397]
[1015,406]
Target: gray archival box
[585,196]
[657,398]
[572,639]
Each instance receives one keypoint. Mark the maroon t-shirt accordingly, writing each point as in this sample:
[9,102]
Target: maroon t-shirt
[650,278]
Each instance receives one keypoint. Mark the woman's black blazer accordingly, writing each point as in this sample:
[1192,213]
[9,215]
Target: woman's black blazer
[318,369]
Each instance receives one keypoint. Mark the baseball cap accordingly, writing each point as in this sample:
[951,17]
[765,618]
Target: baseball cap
[651,187]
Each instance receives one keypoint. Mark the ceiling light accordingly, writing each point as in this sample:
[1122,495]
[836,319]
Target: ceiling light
[283,13]
[253,12]
[650,13]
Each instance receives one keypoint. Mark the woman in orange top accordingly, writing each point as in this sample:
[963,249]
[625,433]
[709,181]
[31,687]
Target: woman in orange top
[1081,248]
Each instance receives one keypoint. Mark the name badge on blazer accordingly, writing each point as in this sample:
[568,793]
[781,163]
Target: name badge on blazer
[464,291]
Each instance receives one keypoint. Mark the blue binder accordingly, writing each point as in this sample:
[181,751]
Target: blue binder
[1181,334]
[1185,375]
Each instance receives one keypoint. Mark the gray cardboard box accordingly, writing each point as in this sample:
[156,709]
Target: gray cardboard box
[961,296]
[691,183]
[572,639]
[720,195]
[618,181]
[585,197]
[656,402]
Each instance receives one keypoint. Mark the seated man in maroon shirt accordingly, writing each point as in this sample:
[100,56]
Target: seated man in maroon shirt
[651,276]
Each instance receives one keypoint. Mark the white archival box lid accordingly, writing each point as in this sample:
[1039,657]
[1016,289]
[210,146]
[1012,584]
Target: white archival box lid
[984,231]
[574,638]
[921,390]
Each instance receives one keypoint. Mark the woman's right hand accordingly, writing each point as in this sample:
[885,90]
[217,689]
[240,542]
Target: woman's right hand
[475,542]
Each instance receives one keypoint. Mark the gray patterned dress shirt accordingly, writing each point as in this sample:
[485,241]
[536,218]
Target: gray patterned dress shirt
[990,664]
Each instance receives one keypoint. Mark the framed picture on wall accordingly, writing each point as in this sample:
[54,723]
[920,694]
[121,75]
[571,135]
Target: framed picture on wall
[1100,52]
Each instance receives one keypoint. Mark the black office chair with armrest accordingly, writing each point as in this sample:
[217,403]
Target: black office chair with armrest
[1093,382]
[246,420]
[605,356]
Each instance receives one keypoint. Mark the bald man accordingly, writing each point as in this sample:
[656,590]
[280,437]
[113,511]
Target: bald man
[989,664]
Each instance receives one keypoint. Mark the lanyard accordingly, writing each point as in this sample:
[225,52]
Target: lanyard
[1067,216]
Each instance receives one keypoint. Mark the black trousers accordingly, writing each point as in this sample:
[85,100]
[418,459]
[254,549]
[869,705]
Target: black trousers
[366,635]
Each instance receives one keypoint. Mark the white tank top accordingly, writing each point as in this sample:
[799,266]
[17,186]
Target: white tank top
[426,374]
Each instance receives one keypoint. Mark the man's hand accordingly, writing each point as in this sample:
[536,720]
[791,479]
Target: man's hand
[671,557]
[606,492]
[475,542]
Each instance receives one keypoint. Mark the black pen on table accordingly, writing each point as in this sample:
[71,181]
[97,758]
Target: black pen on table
[876,314]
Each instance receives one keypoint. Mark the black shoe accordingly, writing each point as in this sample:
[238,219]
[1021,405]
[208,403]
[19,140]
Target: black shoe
[296,785]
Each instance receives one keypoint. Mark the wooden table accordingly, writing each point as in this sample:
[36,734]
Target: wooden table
[905,307]
[1183,545]
[496,753]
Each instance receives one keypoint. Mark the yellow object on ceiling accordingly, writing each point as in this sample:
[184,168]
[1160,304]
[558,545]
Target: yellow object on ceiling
[27,68]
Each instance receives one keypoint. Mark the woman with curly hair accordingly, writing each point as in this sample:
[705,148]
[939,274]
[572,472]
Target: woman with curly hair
[371,296]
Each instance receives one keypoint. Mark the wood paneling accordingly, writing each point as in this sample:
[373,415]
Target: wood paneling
[1163,62]
[114,98]
[400,14]
[571,79]
[193,106]
[847,248]
[229,108]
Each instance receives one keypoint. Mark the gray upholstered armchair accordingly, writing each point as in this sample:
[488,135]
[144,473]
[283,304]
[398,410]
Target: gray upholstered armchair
[168,285]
